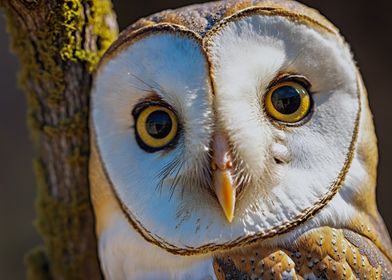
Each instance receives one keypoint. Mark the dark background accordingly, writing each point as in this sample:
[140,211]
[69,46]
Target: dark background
[367,26]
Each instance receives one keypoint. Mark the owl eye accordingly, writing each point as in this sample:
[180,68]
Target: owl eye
[288,102]
[156,127]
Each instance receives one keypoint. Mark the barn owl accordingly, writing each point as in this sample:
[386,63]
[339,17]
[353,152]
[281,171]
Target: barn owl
[233,140]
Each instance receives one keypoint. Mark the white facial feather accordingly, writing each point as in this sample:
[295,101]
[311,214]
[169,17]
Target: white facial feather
[175,68]
[147,261]
[245,55]
[157,213]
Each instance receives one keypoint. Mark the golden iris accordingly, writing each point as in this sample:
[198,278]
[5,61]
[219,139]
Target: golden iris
[288,102]
[156,126]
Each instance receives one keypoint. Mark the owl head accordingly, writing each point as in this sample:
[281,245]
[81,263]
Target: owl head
[220,124]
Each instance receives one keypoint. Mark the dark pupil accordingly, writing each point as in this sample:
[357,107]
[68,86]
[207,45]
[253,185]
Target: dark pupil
[159,124]
[286,100]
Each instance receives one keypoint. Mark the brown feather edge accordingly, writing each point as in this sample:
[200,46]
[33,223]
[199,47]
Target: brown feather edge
[127,39]
[271,11]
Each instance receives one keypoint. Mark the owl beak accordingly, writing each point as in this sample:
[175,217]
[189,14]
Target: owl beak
[222,165]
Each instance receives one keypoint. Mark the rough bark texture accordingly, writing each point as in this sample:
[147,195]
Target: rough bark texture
[59,42]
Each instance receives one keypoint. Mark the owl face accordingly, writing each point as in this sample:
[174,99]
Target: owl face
[215,140]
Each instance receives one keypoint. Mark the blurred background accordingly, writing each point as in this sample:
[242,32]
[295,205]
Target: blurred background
[366,26]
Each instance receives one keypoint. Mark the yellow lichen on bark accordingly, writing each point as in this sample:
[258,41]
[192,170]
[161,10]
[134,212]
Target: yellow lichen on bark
[59,43]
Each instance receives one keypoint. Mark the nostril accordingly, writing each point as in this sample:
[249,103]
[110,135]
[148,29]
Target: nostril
[278,161]
[221,154]
[222,165]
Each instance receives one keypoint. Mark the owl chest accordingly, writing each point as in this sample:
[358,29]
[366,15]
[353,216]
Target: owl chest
[325,253]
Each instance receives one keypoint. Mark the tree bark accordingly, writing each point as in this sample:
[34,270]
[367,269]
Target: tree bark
[59,43]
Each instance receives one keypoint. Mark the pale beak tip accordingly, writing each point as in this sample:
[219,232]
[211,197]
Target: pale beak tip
[229,211]
[230,217]
[225,192]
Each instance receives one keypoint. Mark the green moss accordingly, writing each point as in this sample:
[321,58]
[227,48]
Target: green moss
[100,20]
[59,224]
[62,38]
[75,22]
[38,264]
[77,157]
[76,126]
[47,53]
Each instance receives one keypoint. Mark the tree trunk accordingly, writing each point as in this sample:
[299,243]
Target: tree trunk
[59,43]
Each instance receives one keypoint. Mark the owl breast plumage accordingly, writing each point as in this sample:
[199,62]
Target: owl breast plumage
[233,140]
